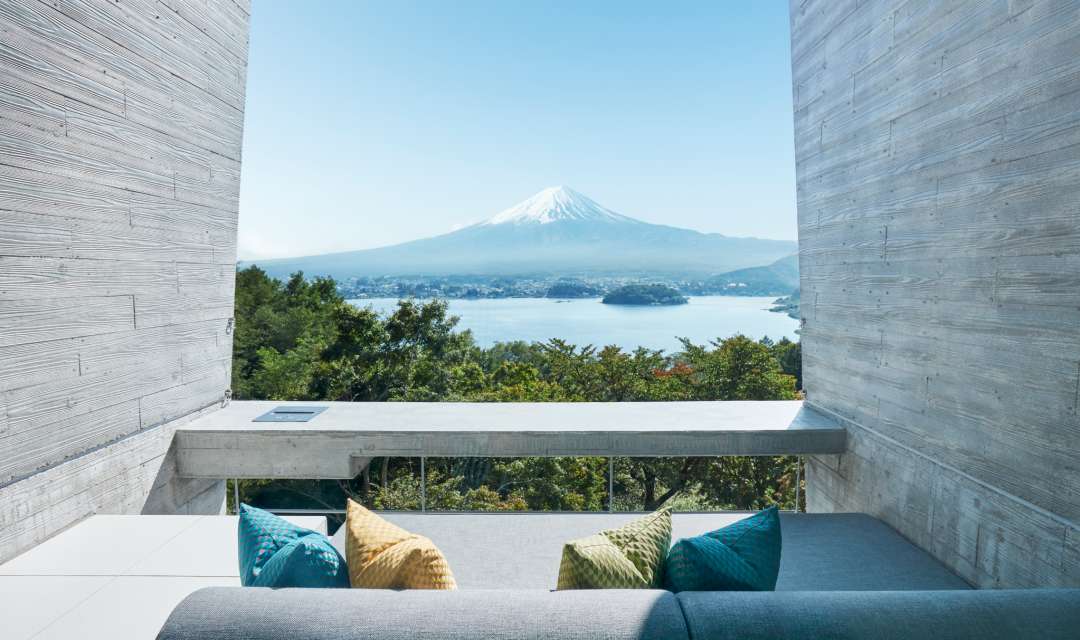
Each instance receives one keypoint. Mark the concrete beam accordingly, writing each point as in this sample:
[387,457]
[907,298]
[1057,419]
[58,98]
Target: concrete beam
[338,442]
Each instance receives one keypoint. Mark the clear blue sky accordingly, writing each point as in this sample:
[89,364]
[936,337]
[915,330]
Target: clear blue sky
[374,123]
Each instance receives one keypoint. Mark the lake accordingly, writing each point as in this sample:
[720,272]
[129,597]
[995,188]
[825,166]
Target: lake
[590,322]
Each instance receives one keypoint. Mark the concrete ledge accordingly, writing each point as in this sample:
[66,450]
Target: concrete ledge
[338,442]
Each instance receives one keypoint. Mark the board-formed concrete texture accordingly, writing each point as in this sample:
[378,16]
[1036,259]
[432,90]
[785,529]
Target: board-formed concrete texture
[938,164]
[339,442]
[120,133]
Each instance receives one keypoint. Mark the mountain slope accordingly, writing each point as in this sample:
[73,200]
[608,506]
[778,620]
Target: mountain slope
[777,279]
[557,204]
[556,231]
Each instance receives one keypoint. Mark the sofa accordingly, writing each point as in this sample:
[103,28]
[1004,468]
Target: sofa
[841,576]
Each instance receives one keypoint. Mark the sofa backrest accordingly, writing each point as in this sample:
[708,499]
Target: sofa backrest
[235,613]
[821,551]
[1038,614]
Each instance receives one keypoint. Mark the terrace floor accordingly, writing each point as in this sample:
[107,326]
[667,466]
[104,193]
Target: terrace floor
[118,577]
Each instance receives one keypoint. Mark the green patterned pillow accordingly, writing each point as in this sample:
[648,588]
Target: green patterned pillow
[630,557]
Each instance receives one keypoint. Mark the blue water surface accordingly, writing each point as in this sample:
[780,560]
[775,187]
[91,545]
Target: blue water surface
[589,321]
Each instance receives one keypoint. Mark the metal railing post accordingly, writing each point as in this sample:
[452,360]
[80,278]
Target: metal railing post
[610,483]
[798,480]
[423,484]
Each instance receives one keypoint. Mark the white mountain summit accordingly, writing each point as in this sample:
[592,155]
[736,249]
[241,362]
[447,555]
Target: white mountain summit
[557,231]
[554,204]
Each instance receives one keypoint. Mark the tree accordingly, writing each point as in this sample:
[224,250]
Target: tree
[300,340]
[737,369]
[273,319]
[789,355]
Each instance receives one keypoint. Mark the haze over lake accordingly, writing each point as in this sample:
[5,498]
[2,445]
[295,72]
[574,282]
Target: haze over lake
[587,321]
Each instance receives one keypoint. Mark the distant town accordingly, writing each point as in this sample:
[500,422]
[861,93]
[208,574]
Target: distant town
[560,287]
[475,287]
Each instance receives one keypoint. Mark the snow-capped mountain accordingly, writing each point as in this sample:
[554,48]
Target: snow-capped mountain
[556,204]
[556,231]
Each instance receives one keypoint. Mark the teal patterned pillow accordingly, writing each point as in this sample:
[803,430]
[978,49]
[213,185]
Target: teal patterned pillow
[744,556]
[276,553]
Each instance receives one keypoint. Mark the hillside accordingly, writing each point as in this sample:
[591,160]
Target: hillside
[779,278]
[558,231]
[568,289]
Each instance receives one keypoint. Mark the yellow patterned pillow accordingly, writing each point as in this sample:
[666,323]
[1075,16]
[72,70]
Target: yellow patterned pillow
[382,555]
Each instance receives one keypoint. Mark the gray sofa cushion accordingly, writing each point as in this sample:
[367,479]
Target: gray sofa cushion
[821,552]
[238,613]
[854,552]
[1039,614]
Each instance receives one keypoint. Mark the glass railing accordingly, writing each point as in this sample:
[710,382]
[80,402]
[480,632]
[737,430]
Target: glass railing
[555,484]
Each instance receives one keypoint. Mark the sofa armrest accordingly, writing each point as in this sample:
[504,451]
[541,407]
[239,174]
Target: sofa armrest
[239,613]
[1042,614]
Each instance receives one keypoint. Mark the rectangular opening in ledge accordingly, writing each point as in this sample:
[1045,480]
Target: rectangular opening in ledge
[290,414]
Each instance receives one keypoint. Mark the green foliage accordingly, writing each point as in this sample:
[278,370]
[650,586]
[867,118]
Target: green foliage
[280,331]
[302,341]
[737,369]
[789,355]
[572,289]
[645,294]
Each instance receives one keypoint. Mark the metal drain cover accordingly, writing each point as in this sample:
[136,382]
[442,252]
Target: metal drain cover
[290,413]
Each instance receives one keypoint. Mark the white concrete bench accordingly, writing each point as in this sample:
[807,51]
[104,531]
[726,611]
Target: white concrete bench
[338,442]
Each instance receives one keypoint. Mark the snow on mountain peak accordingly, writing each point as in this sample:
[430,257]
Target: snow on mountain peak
[555,204]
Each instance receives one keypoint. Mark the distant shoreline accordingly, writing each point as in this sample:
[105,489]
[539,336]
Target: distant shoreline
[595,298]
[769,303]
[583,321]
[553,299]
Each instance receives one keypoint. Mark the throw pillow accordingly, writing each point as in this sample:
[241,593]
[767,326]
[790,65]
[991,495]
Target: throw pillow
[630,557]
[276,553]
[382,555]
[744,556]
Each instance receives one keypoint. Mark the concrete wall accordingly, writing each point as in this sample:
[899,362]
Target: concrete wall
[120,133]
[938,164]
